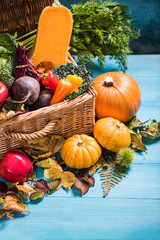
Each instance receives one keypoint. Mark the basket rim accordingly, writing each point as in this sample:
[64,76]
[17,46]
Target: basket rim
[90,93]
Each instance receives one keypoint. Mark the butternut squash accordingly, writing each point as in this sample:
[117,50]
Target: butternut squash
[53,36]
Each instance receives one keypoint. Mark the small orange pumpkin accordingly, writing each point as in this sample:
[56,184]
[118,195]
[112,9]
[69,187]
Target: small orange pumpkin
[112,134]
[80,151]
[118,96]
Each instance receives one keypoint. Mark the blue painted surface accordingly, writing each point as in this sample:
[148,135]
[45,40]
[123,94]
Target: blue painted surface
[132,208]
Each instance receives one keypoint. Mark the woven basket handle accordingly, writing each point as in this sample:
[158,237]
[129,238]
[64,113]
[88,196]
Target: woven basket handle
[30,136]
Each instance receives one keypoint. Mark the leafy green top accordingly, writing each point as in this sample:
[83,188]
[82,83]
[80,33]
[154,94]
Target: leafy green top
[7,58]
[102,28]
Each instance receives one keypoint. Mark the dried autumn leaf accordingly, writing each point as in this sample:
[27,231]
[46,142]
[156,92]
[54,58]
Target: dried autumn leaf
[44,147]
[25,188]
[136,123]
[1,200]
[89,179]
[67,179]
[136,142]
[2,116]
[97,165]
[83,186]
[42,184]
[47,163]
[12,203]
[55,184]
[38,194]
[54,172]
[33,176]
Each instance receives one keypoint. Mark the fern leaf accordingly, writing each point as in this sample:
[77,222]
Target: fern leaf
[110,175]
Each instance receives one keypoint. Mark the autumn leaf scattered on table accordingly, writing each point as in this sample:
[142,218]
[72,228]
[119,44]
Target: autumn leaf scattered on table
[44,147]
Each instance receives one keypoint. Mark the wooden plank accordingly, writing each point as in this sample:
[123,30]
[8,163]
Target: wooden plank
[142,181]
[138,65]
[88,218]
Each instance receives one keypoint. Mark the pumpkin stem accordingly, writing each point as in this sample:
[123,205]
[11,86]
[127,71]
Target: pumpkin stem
[56,3]
[80,143]
[109,81]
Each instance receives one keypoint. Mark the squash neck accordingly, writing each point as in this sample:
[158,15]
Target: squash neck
[109,82]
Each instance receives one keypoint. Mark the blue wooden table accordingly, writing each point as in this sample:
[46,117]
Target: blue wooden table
[132,208]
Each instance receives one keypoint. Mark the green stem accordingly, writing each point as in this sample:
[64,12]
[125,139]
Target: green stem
[26,35]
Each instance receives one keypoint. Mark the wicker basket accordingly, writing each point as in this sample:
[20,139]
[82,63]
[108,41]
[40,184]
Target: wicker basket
[66,118]
[20,16]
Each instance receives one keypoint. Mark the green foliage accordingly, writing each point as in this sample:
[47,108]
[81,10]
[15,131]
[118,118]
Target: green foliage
[125,157]
[102,28]
[7,58]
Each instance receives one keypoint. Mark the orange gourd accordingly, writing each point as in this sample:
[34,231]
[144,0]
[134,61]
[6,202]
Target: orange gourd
[112,134]
[80,151]
[53,36]
[118,96]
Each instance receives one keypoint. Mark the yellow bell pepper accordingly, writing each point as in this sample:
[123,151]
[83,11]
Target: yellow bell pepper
[76,82]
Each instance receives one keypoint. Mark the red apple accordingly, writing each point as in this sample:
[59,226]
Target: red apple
[15,166]
[3,93]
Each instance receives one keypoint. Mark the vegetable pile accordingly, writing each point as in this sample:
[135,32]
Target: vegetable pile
[117,134]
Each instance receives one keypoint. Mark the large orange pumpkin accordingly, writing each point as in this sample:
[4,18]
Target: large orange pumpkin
[118,96]
[80,151]
[112,134]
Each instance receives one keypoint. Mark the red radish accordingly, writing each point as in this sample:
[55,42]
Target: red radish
[3,93]
[15,166]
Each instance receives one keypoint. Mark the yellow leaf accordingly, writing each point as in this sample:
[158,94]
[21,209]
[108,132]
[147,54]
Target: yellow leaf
[54,172]
[47,163]
[44,147]
[1,200]
[12,203]
[67,179]
[26,188]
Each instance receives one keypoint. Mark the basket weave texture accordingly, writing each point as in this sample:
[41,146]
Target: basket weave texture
[20,16]
[66,119]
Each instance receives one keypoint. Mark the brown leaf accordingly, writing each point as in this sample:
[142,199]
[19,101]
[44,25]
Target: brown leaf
[83,186]
[89,179]
[12,203]
[136,142]
[97,165]
[44,147]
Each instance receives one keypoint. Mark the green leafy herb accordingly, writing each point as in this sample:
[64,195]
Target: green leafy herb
[81,71]
[7,59]
[102,28]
